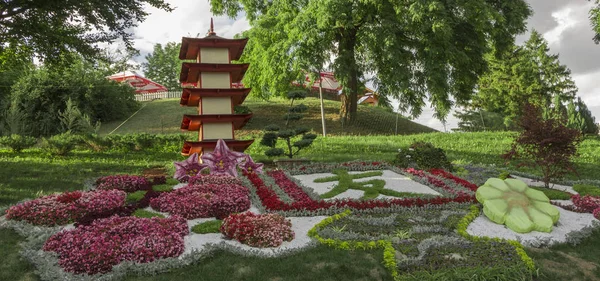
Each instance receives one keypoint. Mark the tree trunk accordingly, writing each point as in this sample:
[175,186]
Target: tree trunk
[347,43]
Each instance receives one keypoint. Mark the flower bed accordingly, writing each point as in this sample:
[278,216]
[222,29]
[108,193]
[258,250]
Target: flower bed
[127,183]
[203,201]
[213,179]
[304,203]
[586,203]
[267,230]
[61,209]
[107,242]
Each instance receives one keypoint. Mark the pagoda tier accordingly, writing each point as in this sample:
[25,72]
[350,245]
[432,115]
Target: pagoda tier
[191,71]
[193,96]
[191,147]
[191,47]
[194,122]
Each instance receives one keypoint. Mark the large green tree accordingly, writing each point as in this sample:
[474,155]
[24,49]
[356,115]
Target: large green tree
[163,65]
[417,49]
[52,27]
[524,74]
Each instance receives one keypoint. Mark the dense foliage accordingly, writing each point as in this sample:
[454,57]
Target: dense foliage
[17,142]
[524,74]
[52,28]
[416,50]
[163,65]
[40,97]
[544,143]
[422,156]
[595,18]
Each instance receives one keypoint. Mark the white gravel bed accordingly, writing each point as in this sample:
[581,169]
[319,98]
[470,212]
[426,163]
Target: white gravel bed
[568,222]
[531,182]
[393,181]
[300,226]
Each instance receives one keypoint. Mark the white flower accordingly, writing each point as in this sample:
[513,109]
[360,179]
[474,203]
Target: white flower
[399,149]
[411,149]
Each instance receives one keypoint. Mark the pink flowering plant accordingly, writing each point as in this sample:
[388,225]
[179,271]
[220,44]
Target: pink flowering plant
[204,201]
[61,209]
[586,203]
[223,161]
[596,213]
[127,183]
[191,167]
[264,230]
[96,248]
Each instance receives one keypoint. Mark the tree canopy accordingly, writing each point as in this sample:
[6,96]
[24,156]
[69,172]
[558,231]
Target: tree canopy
[525,74]
[595,19]
[50,28]
[163,65]
[417,49]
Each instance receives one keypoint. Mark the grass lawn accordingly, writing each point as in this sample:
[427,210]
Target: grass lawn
[31,174]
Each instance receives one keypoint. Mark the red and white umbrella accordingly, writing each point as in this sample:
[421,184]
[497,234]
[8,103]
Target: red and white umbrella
[141,84]
[329,83]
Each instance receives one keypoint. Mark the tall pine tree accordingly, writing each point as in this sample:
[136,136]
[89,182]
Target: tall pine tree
[525,74]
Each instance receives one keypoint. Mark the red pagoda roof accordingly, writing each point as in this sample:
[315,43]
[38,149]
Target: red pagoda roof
[190,71]
[190,47]
[191,147]
[192,96]
[194,122]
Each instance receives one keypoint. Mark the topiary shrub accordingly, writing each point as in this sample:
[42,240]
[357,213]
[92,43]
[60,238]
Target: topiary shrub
[295,139]
[422,156]
[17,143]
[60,145]
[265,230]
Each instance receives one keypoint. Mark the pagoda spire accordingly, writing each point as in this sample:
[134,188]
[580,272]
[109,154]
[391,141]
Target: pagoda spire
[211,31]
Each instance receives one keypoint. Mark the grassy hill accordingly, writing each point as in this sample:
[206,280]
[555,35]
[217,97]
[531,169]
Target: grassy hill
[164,116]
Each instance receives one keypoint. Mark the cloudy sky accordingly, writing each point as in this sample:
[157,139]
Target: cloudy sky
[564,23]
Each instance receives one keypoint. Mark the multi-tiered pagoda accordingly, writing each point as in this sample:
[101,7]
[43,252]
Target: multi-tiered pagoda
[214,95]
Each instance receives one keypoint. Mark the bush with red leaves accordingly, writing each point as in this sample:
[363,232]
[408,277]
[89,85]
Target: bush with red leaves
[545,143]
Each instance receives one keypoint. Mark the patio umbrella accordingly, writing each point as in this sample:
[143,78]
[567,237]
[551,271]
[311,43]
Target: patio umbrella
[141,84]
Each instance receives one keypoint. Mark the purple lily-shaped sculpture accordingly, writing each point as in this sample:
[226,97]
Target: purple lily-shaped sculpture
[223,161]
[188,168]
[249,166]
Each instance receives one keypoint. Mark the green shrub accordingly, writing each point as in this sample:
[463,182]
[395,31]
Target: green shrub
[141,213]
[504,175]
[422,156]
[121,143]
[143,141]
[586,189]
[135,196]
[60,145]
[17,142]
[207,227]
[553,194]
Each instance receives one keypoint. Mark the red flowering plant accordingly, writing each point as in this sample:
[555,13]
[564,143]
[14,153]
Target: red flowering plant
[266,230]
[97,247]
[213,179]
[248,166]
[203,201]
[61,209]
[127,183]
[596,213]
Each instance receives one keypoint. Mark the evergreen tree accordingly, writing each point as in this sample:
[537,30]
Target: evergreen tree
[589,126]
[525,74]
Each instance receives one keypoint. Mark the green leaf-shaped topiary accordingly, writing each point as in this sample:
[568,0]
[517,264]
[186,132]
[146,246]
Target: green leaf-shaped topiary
[520,208]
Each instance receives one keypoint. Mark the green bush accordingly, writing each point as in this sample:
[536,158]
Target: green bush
[163,187]
[207,227]
[60,145]
[17,142]
[95,142]
[422,156]
[586,189]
